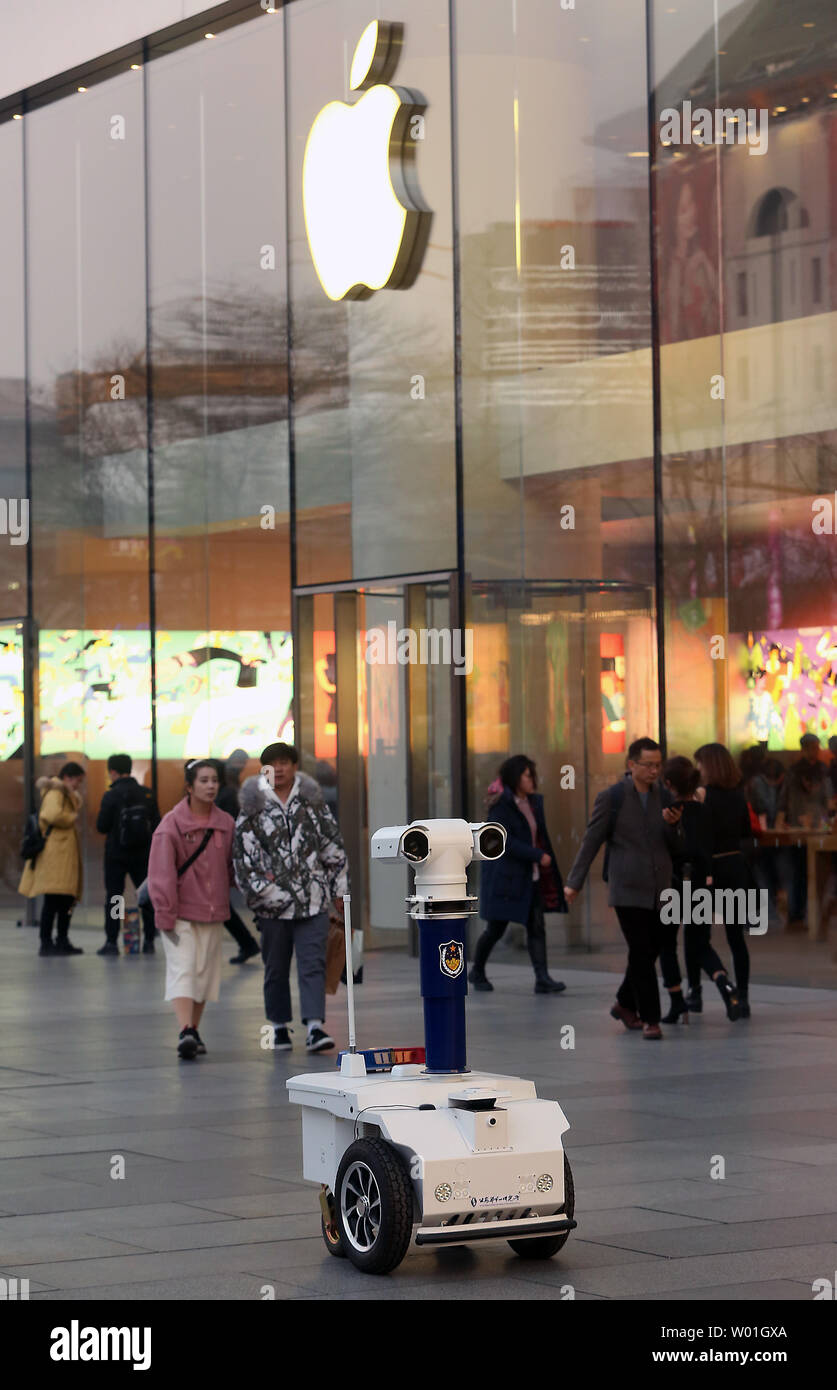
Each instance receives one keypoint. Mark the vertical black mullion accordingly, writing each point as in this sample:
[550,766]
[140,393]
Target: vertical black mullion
[659,519]
[149,426]
[459,712]
[30,630]
[289,349]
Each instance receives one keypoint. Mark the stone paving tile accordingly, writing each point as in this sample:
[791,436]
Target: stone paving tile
[132,1269]
[662,1277]
[60,1244]
[713,1238]
[34,1286]
[219,1288]
[280,1203]
[231,1231]
[627,1220]
[106,1220]
[768,1291]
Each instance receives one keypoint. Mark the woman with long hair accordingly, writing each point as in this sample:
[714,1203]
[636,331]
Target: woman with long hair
[525,881]
[57,870]
[693,866]
[189,877]
[721,791]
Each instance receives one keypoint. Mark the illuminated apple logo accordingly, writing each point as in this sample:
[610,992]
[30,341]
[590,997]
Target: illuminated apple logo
[366,223]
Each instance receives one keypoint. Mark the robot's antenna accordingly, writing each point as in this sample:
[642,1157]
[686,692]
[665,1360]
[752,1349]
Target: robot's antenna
[350,981]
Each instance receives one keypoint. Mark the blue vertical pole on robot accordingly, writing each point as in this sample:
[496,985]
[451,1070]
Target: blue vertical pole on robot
[444,985]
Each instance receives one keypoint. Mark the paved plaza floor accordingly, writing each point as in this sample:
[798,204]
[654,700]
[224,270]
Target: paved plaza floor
[212,1205]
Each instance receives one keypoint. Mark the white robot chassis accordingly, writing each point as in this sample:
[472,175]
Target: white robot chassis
[433,1154]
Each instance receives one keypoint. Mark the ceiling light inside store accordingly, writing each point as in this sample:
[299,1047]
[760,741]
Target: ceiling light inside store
[82,89]
[17,116]
[778,110]
[209,36]
[637,154]
[135,67]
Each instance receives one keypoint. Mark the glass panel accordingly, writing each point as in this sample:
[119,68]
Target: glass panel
[219,334]
[749,437]
[556,327]
[374,426]
[566,675]
[86,313]
[384,744]
[14,508]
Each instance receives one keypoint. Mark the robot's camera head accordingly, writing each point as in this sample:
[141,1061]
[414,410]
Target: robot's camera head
[440,852]
[489,840]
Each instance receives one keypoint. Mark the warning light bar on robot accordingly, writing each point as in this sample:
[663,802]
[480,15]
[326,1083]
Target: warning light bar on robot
[385,1058]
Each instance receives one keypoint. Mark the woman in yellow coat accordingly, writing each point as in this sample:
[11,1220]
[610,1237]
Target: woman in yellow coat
[57,871]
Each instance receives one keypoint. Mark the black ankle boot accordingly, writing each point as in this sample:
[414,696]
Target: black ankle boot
[743,1004]
[694,1000]
[679,1008]
[728,993]
[544,984]
[477,976]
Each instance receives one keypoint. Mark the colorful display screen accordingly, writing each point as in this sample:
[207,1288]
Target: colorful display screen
[216,691]
[11,691]
[791,680]
[612,654]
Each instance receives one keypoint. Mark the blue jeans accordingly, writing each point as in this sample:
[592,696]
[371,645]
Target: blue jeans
[308,935]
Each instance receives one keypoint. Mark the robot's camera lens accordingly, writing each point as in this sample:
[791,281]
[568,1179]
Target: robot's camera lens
[491,842]
[415,846]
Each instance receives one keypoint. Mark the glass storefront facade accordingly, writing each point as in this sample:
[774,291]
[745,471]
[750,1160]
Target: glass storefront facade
[596,431]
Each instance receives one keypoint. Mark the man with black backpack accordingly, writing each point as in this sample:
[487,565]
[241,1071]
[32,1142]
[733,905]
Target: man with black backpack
[128,816]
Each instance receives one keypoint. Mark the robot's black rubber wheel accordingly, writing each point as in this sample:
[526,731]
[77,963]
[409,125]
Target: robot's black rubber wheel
[544,1247]
[332,1238]
[374,1206]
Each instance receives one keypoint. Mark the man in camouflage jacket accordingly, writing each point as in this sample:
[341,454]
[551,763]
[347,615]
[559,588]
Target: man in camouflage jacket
[290,864]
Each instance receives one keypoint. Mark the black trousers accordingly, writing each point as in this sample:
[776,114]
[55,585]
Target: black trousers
[239,932]
[700,953]
[535,937]
[669,964]
[732,871]
[134,867]
[643,931]
[60,906]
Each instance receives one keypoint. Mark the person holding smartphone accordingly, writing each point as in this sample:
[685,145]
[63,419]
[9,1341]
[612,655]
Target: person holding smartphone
[189,877]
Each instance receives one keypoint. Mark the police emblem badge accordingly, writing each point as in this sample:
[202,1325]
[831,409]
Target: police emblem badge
[452,958]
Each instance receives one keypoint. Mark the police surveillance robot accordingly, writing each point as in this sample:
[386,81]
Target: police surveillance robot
[433,1154]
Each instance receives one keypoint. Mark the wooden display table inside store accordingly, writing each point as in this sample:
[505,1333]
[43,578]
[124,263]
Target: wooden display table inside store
[819,845]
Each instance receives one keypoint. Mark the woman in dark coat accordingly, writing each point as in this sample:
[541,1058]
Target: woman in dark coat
[526,881]
[722,793]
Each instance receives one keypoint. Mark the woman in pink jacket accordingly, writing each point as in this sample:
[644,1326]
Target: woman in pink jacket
[189,877]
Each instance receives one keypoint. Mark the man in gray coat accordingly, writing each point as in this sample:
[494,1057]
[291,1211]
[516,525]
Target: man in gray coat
[640,834]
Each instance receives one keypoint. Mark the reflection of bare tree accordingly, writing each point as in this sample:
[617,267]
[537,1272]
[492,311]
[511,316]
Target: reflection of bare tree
[766,526]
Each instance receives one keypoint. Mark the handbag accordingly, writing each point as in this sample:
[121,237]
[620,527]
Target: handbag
[335,953]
